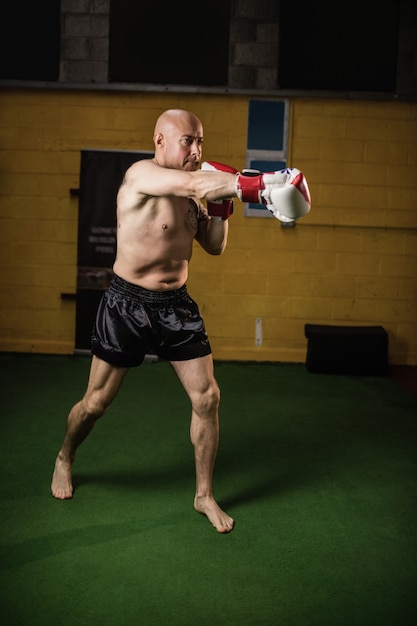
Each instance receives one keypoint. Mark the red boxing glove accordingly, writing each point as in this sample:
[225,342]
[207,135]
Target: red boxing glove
[213,166]
[220,209]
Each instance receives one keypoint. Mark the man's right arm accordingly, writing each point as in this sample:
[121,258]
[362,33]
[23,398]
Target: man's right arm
[285,193]
[149,178]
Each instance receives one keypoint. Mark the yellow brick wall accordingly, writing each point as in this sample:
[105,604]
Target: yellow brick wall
[352,261]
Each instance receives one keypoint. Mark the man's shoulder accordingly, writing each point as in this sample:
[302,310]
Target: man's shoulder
[143,163]
[140,169]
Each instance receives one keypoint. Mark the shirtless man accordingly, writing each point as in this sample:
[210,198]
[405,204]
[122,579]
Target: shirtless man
[159,214]
[147,307]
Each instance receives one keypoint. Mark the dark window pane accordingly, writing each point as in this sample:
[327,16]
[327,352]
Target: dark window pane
[331,45]
[184,43]
[30,40]
[266,125]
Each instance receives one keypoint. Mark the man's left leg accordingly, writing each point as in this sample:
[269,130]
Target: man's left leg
[197,378]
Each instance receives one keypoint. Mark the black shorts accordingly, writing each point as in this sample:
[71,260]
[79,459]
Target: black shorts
[132,321]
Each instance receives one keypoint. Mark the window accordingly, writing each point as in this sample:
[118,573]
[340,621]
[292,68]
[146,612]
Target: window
[334,46]
[185,43]
[30,40]
[266,143]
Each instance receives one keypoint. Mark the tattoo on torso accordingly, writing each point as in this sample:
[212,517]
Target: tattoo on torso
[192,214]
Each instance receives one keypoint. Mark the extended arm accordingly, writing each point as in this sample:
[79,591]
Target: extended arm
[285,193]
[150,179]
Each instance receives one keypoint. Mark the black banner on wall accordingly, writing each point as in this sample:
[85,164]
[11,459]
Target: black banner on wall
[101,174]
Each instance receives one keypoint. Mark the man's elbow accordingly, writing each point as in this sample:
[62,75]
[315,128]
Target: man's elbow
[216,251]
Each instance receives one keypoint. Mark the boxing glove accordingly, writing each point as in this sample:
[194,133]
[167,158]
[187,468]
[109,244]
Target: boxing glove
[285,193]
[214,166]
[219,209]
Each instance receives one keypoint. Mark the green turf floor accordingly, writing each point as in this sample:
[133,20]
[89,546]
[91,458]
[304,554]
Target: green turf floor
[318,471]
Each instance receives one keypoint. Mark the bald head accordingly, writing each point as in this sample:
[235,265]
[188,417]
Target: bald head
[178,139]
[174,119]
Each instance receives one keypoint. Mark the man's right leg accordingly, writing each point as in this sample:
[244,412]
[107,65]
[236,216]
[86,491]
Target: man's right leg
[103,385]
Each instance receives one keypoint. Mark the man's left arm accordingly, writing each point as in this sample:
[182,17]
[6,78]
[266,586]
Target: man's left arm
[212,230]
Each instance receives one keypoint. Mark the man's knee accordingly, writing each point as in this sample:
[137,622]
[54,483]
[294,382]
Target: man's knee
[95,405]
[207,401]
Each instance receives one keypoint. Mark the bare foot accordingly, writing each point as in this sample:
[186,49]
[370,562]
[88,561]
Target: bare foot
[209,507]
[61,480]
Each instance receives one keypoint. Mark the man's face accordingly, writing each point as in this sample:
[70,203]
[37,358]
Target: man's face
[183,146]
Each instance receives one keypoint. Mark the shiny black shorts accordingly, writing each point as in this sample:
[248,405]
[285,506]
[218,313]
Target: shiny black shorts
[132,322]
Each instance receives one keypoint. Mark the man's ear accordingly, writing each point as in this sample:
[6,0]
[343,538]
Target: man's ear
[159,140]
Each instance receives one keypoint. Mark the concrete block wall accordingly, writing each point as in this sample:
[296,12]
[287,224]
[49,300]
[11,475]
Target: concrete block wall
[253,46]
[253,53]
[352,260]
[84,41]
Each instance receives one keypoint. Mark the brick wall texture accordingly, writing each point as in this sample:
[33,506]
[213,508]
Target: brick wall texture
[352,260]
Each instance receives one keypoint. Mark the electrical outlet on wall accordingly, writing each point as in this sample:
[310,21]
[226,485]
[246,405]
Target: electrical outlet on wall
[258,331]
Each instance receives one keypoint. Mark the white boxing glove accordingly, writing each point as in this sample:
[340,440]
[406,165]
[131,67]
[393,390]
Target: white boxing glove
[285,193]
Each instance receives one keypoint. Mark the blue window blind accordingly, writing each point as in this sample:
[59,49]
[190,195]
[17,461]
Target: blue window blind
[267,139]
[266,125]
